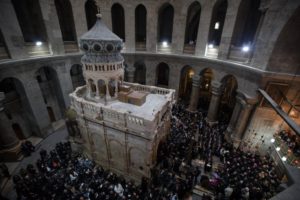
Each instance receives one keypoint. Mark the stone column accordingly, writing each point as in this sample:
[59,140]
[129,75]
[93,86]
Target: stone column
[129,28]
[117,89]
[11,31]
[234,117]
[242,121]
[195,93]
[151,29]
[54,36]
[204,25]
[8,138]
[107,96]
[214,101]
[178,30]
[97,96]
[37,106]
[229,24]
[65,82]
[130,74]
[78,8]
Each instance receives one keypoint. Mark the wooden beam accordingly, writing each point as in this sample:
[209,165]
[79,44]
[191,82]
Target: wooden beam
[281,113]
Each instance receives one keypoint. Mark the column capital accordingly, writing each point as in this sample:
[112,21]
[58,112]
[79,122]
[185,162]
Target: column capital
[130,69]
[216,88]
[244,101]
[196,80]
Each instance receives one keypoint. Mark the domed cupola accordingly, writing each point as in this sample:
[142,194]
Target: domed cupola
[102,61]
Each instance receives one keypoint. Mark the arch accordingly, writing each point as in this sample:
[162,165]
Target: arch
[17,107]
[116,152]
[92,87]
[247,23]
[140,72]
[90,13]
[30,20]
[140,23]
[185,87]
[51,90]
[112,87]
[218,16]
[101,88]
[77,76]
[285,55]
[229,91]
[192,23]
[118,20]
[65,18]
[165,23]
[207,76]
[162,75]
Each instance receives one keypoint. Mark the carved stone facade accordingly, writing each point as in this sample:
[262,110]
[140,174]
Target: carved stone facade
[120,136]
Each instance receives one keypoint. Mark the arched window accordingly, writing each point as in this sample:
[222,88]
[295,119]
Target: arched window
[90,13]
[118,20]
[140,24]
[30,20]
[65,17]
[246,24]
[192,23]
[217,22]
[140,73]
[162,75]
[165,23]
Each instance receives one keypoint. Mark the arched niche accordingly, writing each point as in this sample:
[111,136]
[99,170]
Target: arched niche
[140,73]
[17,108]
[185,87]
[205,88]
[140,24]
[228,97]
[51,90]
[162,75]
[192,23]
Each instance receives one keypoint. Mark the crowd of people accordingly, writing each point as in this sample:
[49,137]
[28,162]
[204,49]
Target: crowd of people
[63,174]
[291,140]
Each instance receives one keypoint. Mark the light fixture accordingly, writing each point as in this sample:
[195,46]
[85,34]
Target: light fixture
[210,46]
[283,158]
[38,43]
[246,48]
[277,148]
[165,43]
[272,140]
[217,25]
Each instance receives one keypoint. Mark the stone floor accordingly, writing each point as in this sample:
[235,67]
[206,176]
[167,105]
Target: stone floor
[59,135]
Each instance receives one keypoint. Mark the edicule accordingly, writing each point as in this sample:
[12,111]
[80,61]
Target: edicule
[121,123]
